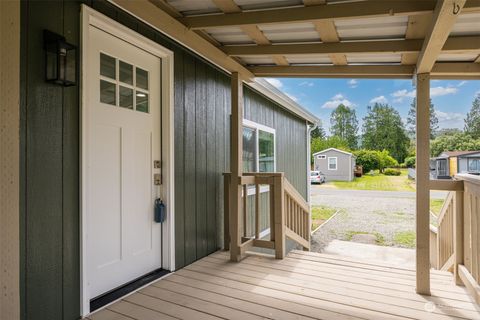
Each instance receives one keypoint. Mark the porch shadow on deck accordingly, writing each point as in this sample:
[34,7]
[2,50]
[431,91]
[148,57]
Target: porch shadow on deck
[304,285]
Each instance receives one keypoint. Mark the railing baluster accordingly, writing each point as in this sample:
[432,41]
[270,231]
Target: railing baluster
[272,212]
[245,195]
[257,211]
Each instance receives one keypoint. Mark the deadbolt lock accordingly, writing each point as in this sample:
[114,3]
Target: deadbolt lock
[157,164]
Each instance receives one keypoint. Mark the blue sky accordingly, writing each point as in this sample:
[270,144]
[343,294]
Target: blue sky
[452,99]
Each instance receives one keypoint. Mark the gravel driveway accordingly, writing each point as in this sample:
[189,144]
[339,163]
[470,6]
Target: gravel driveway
[384,215]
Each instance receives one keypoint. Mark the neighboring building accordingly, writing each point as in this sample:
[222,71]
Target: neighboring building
[335,164]
[449,163]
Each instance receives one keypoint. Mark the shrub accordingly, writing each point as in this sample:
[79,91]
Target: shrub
[392,172]
[368,159]
[410,162]
[386,160]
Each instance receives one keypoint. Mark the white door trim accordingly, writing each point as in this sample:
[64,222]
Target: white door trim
[90,17]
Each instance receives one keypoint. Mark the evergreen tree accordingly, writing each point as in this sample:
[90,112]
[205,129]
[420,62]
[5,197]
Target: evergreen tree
[318,132]
[472,122]
[412,120]
[383,129]
[344,124]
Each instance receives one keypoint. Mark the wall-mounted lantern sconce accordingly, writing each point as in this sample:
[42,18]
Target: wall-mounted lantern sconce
[60,60]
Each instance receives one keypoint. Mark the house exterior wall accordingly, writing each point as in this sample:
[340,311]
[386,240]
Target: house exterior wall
[290,136]
[453,168]
[463,162]
[345,164]
[462,165]
[49,157]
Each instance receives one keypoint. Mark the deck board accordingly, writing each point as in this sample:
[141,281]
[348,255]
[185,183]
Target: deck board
[302,286]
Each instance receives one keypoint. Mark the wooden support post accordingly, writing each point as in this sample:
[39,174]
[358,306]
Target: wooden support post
[458,234]
[278,211]
[422,184]
[236,167]
[226,211]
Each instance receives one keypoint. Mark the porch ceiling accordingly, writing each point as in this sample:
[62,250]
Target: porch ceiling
[297,34]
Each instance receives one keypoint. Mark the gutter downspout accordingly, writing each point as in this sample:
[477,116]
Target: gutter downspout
[309,131]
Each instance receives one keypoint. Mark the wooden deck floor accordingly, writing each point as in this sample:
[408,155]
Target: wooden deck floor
[302,286]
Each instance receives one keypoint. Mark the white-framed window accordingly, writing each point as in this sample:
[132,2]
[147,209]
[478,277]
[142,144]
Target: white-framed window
[332,163]
[259,154]
[473,165]
[322,157]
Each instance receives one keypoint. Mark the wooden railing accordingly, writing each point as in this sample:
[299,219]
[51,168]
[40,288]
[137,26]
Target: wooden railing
[444,247]
[288,212]
[297,216]
[469,271]
[458,239]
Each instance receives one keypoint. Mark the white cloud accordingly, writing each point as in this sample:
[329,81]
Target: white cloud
[400,95]
[291,96]
[353,83]
[462,83]
[306,84]
[379,99]
[442,91]
[450,119]
[337,100]
[275,82]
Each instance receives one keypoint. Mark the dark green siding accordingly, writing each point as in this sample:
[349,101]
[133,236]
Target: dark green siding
[290,135]
[50,157]
[50,208]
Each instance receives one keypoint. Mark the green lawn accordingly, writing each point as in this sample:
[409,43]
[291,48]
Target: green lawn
[378,182]
[436,205]
[320,214]
[405,239]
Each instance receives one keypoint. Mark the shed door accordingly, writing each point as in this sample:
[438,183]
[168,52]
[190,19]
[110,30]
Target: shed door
[122,142]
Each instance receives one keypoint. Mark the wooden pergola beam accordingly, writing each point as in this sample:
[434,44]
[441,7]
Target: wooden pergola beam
[327,32]
[441,70]
[252,31]
[159,19]
[454,44]
[417,27]
[349,10]
[444,17]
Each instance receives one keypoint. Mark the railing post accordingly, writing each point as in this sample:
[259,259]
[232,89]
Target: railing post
[236,167]
[278,211]
[458,233]
[226,210]
[422,182]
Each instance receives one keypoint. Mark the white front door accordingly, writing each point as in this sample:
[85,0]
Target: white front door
[122,140]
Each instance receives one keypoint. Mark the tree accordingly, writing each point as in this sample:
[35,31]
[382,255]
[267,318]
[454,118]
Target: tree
[318,132]
[344,124]
[374,160]
[472,122]
[412,119]
[385,160]
[456,142]
[448,132]
[319,144]
[368,159]
[383,129]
